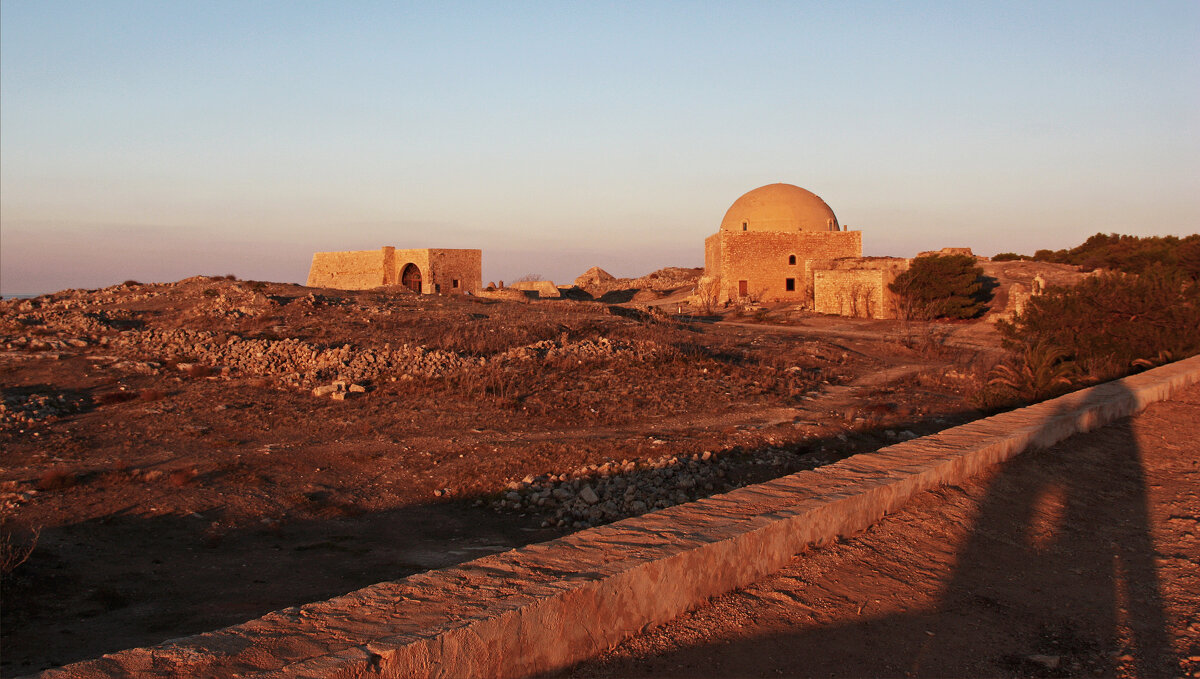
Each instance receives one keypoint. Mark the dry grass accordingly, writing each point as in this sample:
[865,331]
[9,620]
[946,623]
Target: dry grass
[114,397]
[182,477]
[16,546]
[57,479]
[198,370]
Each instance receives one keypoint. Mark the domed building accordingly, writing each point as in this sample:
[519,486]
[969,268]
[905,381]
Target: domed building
[782,243]
[780,208]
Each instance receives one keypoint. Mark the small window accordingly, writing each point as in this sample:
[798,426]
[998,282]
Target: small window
[745,225]
[455,284]
[792,260]
[790,284]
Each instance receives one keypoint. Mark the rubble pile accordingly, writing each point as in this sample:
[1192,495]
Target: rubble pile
[298,362]
[598,282]
[22,410]
[600,347]
[599,494]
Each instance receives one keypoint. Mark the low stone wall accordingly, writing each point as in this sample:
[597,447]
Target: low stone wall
[549,605]
[544,289]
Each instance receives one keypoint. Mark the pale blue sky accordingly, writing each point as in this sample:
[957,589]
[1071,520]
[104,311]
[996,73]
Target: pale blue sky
[156,140]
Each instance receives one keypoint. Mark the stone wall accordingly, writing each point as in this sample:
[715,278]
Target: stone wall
[352,270]
[857,286]
[758,265]
[543,289]
[442,268]
[849,293]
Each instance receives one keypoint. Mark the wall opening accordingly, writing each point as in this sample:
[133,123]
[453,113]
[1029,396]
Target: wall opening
[790,285]
[411,278]
[792,260]
[745,225]
[455,284]
[743,288]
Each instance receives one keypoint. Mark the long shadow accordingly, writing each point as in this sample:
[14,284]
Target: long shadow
[166,576]
[1056,578]
[181,575]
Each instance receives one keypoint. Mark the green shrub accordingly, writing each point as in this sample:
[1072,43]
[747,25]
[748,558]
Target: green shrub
[1008,257]
[1131,254]
[1108,322]
[1039,371]
[941,286]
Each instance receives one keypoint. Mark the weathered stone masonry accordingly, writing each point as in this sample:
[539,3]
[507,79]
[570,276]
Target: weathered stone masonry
[429,270]
[764,262]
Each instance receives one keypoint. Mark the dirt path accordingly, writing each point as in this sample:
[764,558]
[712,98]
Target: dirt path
[1076,561]
[974,336]
[832,397]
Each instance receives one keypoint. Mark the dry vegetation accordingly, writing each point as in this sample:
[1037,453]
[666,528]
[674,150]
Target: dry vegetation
[163,445]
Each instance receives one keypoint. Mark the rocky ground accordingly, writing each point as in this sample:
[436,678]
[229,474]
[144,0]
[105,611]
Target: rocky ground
[179,457]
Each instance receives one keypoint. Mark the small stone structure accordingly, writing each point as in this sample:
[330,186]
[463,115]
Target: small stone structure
[781,243]
[541,289]
[429,270]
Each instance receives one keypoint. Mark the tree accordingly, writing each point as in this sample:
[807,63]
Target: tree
[941,286]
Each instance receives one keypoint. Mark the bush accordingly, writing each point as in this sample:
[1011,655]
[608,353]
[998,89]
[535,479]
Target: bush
[16,546]
[1131,254]
[1008,257]
[1108,322]
[1053,256]
[1039,371]
[941,286]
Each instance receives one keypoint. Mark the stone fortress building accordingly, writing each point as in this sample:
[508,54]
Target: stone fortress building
[781,243]
[430,270]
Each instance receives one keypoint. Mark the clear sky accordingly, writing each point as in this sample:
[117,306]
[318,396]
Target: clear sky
[157,140]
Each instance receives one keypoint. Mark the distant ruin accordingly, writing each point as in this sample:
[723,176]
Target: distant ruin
[430,270]
[777,243]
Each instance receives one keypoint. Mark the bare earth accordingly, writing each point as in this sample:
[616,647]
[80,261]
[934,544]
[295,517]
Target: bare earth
[1081,560]
[165,444]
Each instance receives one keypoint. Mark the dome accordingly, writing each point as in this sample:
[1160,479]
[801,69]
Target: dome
[779,207]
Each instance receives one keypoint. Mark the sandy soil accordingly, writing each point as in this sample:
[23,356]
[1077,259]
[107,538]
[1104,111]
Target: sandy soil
[164,442]
[1080,560]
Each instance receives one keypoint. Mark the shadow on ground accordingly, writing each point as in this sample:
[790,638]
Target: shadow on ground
[1056,578]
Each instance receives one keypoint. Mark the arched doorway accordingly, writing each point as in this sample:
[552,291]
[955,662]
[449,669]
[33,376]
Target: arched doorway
[411,278]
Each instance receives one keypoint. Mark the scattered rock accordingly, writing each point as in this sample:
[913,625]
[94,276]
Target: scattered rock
[1050,662]
[588,495]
